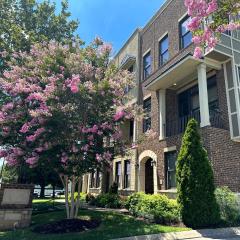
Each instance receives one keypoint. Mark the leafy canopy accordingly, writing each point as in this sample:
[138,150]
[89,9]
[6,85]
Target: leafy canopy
[25,22]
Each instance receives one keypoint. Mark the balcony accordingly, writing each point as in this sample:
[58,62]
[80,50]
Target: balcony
[179,126]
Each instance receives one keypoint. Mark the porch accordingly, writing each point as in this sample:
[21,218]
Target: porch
[189,90]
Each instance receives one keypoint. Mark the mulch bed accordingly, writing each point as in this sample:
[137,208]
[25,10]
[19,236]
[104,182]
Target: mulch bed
[67,226]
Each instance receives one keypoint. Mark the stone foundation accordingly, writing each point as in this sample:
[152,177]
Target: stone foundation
[15,218]
[15,206]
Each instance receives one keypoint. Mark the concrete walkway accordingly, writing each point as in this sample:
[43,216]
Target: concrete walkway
[221,233]
[117,210]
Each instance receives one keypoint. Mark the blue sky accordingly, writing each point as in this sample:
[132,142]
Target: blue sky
[113,20]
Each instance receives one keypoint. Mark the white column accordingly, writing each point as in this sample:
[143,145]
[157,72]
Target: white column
[85,183]
[89,182]
[135,131]
[162,113]
[203,95]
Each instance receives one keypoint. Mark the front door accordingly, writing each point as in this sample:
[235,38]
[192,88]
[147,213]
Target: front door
[149,177]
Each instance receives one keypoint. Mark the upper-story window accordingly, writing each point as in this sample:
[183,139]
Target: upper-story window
[131,69]
[147,62]
[131,129]
[147,118]
[128,88]
[188,101]
[163,51]
[185,34]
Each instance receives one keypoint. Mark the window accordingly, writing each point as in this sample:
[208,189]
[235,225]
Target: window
[131,129]
[97,185]
[126,174]
[131,69]
[212,95]
[188,101]
[128,87]
[170,159]
[118,173]
[228,32]
[163,51]
[95,179]
[92,180]
[147,65]
[185,34]
[147,118]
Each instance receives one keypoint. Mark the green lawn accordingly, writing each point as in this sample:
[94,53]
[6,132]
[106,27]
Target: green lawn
[114,225]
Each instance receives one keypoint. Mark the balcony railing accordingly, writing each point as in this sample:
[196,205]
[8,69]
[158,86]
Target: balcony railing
[179,126]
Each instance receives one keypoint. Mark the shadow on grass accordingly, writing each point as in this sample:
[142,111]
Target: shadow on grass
[114,225]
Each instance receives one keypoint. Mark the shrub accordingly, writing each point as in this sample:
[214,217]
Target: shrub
[198,206]
[114,188]
[107,200]
[133,202]
[158,208]
[90,198]
[82,197]
[228,204]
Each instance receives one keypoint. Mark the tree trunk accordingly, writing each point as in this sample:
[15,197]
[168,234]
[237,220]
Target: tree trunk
[72,209]
[66,196]
[78,198]
[1,173]
[73,186]
[53,193]
[42,191]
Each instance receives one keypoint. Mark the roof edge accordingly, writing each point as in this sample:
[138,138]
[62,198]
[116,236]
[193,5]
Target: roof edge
[137,30]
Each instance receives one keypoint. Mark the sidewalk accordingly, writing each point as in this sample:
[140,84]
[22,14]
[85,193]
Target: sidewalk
[206,233]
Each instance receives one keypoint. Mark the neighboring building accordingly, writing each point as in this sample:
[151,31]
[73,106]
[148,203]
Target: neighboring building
[123,170]
[174,87]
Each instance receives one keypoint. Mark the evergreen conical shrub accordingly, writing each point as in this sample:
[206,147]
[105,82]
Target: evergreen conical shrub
[195,183]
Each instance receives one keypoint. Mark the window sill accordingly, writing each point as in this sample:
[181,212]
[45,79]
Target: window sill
[172,190]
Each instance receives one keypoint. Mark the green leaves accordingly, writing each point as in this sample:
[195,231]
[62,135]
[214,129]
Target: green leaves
[25,22]
[195,181]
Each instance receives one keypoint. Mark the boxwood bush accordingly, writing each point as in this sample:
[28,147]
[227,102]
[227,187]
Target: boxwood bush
[157,208]
[229,205]
[107,200]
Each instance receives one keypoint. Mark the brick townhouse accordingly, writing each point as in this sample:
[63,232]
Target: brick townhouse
[173,87]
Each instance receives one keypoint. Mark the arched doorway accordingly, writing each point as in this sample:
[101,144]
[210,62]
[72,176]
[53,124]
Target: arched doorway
[149,186]
[147,172]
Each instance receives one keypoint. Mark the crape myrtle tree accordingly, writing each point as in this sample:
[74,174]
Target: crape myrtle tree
[63,104]
[195,184]
[24,23]
[210,18]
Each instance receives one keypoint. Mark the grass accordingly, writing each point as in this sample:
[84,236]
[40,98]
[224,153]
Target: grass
[114,225]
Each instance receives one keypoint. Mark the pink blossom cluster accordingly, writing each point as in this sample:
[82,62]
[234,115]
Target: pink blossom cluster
[205,35]
[106,156]
[119,115]
[104,49]
[73,83]
[36,134]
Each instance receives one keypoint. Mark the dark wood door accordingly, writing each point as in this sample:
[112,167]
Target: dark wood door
[149,177]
